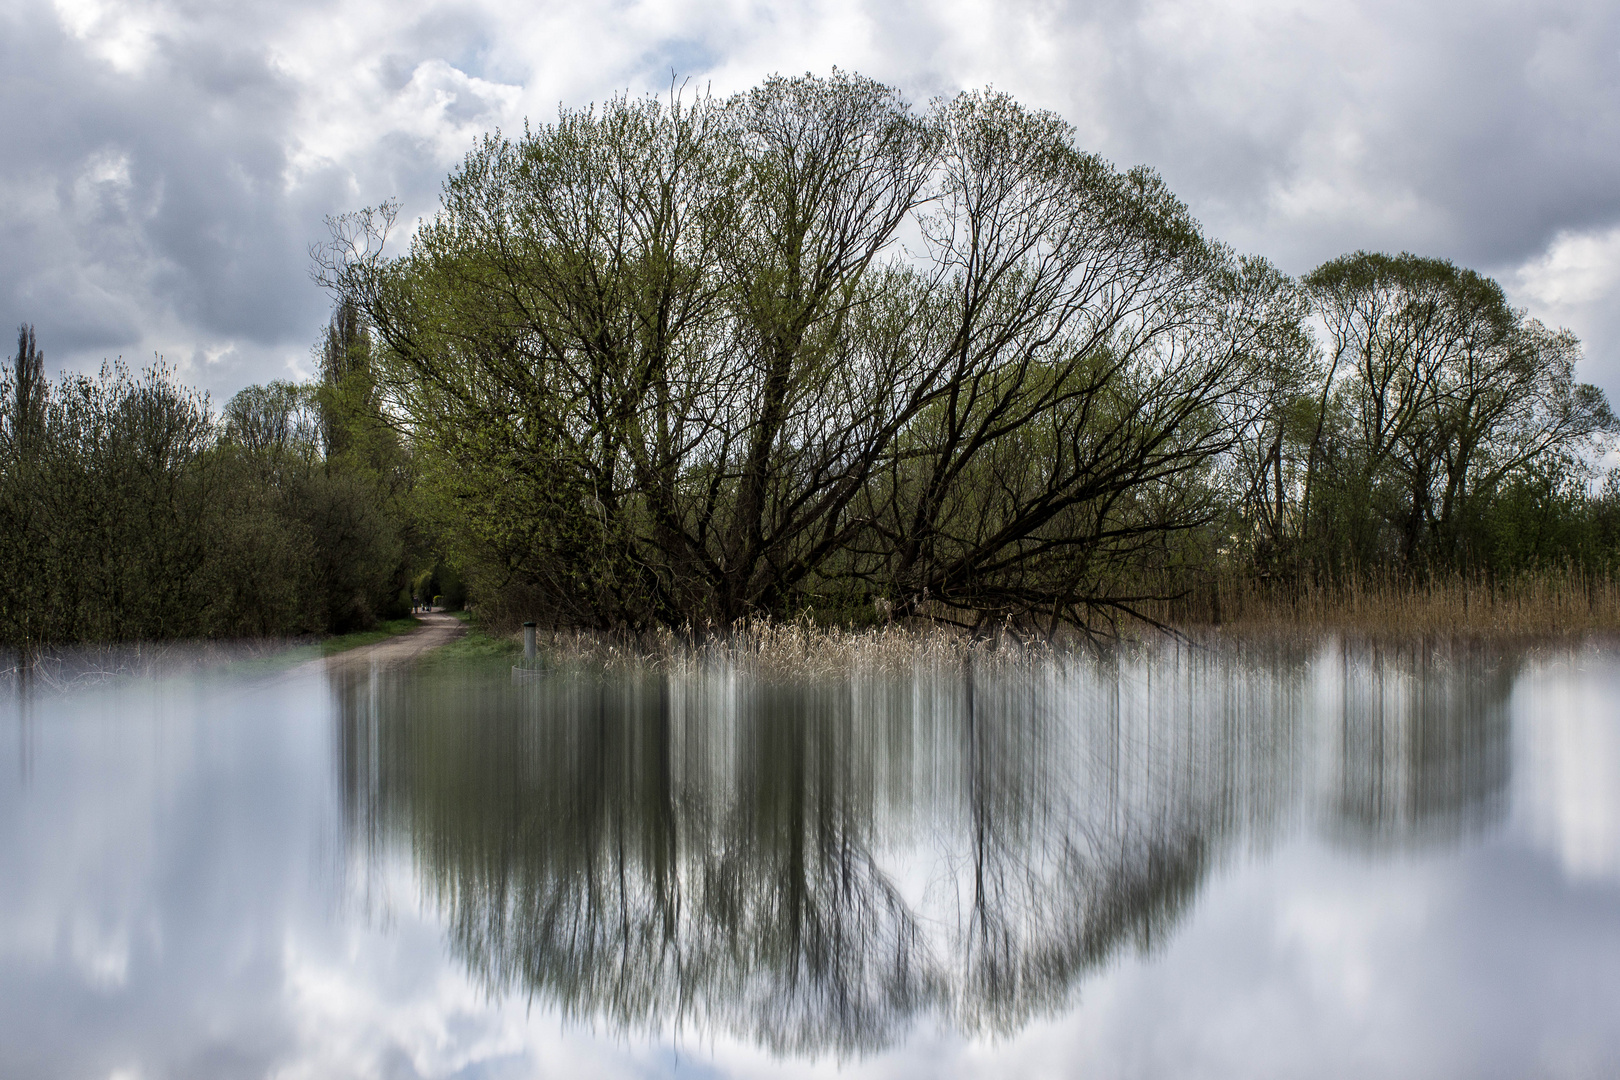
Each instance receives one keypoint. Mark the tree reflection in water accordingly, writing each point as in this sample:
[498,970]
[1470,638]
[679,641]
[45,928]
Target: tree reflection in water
[1423,744]
[820,865]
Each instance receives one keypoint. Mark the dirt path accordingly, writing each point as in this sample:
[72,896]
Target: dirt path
[437,629]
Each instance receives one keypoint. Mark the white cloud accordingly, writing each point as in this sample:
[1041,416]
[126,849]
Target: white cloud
[119,32]
[1575,282]
[1299,129]
[1577,270]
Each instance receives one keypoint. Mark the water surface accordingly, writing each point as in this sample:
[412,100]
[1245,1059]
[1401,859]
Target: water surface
[1270,860]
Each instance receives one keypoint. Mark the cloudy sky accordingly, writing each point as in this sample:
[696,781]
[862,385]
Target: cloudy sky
[167,164]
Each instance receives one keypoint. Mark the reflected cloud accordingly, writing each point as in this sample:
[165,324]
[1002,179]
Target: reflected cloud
[1571,747]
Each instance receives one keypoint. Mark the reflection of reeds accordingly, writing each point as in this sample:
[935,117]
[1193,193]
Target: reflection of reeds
[1422,740]
[65,666]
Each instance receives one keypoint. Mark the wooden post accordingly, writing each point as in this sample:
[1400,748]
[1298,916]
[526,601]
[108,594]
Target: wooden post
[528,641]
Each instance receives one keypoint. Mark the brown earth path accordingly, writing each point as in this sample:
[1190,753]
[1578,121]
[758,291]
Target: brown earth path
[438,628]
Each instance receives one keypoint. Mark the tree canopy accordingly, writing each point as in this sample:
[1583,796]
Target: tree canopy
[687,361]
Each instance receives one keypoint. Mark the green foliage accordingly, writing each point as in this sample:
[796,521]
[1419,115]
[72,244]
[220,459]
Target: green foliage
[134,513]
[103,493]
[669,363]
[1451,433]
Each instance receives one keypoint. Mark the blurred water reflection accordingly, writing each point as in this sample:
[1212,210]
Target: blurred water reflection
[820,865]
[1424,747]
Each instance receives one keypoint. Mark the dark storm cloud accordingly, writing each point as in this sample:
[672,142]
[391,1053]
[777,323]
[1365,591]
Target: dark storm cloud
[1480,133]
[136,196]
[159,204]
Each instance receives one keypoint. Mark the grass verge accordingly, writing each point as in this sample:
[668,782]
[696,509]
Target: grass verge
[381,632]
[315,650]
[475,648]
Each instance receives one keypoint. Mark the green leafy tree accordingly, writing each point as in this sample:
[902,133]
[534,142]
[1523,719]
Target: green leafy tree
[1439,393]
[671,362]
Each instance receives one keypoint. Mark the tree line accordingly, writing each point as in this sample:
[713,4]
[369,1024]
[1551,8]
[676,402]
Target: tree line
[135,512]
[807,349]
[1434,428]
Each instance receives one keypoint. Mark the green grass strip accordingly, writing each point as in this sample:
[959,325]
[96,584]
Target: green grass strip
[381,632]
[473,649]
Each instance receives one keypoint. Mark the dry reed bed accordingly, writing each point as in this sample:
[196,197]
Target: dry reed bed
[799,649]
[1235,610]
[1541,605]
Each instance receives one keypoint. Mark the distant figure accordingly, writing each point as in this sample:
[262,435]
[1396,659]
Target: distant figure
[415,604]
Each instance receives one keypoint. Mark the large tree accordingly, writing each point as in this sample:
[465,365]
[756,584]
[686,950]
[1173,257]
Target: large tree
[1439,390]
[691,360]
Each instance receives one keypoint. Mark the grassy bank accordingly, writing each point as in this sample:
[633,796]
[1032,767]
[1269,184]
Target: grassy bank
[478,646]
[327,646]
[381,632]
[68,664]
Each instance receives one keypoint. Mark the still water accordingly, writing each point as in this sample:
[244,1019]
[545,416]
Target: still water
[1260,861]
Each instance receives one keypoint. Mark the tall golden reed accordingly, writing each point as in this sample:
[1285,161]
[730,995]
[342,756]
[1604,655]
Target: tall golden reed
[1556,602]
